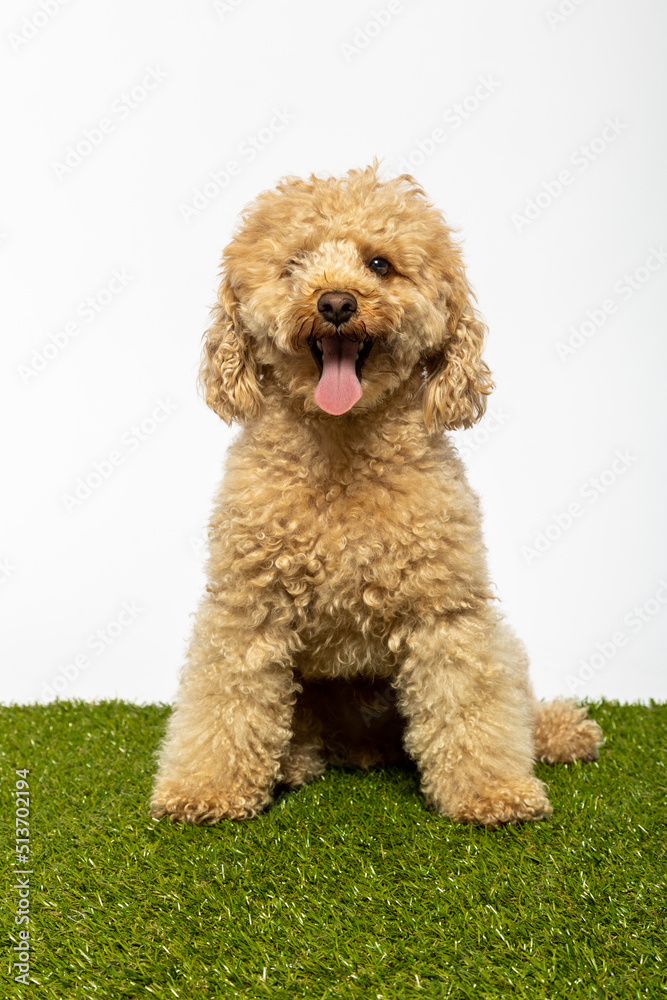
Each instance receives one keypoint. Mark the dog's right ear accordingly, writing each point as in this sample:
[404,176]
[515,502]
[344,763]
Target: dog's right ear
[228,372]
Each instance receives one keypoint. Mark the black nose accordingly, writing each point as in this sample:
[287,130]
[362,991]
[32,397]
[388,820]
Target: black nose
[336,307]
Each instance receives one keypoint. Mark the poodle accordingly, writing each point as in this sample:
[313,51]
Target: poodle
[349,616]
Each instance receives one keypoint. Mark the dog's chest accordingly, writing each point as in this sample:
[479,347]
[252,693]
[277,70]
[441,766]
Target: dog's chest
[360,549]
[351,547]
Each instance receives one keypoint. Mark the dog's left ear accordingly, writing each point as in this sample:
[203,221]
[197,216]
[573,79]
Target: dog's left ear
[228,373]
[457,380]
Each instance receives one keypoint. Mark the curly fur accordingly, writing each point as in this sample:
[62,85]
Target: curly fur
[349,616]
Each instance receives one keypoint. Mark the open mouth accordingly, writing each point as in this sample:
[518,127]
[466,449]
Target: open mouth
[340,361]
[363,349]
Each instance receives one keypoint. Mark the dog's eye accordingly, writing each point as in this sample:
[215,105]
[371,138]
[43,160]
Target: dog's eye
[289,266]
[380,266]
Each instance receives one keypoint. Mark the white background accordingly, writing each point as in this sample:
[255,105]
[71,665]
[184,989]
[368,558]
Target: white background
[352,85]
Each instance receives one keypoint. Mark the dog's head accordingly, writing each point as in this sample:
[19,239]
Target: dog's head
[338,291]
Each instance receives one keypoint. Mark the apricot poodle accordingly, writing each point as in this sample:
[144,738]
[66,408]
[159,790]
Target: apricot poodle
[349,615]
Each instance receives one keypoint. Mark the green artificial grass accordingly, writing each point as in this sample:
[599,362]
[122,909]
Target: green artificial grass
[348,888]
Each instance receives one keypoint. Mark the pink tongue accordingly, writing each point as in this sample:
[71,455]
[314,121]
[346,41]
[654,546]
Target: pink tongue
[339,388]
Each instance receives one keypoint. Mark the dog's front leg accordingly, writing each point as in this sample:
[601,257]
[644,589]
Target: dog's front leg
[231,723]
[464,692]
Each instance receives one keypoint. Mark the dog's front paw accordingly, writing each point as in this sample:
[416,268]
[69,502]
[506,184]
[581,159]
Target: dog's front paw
[205,805]
[516,801]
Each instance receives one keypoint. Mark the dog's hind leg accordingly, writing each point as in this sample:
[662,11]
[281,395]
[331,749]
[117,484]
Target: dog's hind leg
[562,733]
[304,760]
